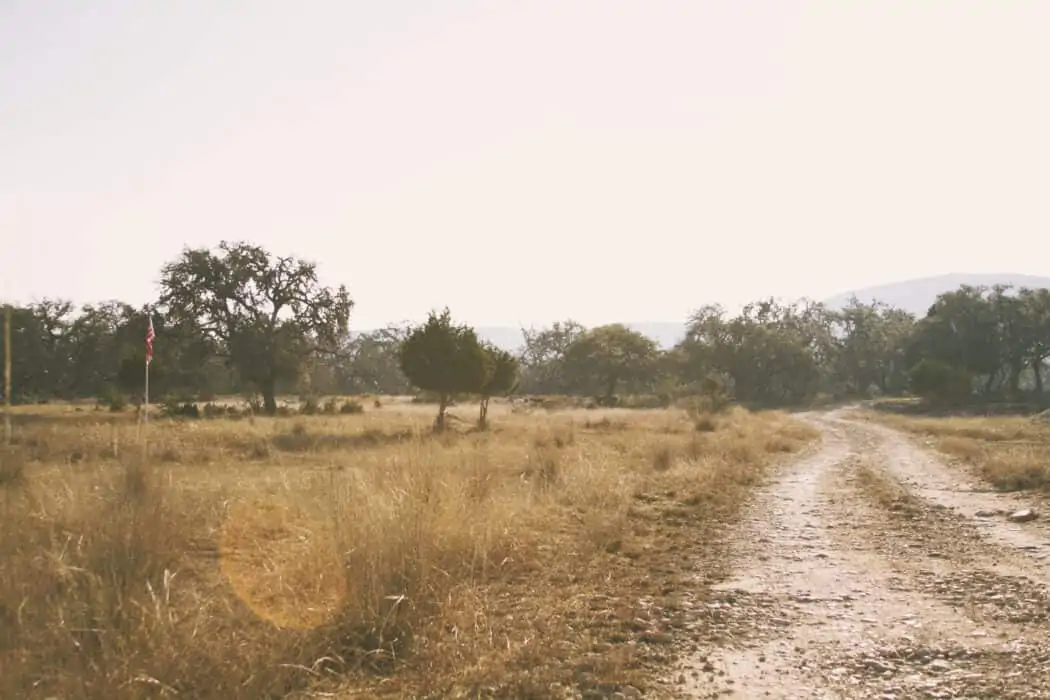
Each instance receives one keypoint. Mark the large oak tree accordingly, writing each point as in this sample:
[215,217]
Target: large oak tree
[267,314]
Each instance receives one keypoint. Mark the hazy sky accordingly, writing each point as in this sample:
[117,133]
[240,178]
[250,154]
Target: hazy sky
[523,161]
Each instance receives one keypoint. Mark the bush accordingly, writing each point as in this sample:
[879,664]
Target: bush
[940,382]
[113,400]
[351,407]
[181,409]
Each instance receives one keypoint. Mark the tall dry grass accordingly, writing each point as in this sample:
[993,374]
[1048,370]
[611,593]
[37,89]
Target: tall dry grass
[259,558]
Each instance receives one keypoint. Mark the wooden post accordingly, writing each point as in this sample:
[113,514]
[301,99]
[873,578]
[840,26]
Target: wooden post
[7,374]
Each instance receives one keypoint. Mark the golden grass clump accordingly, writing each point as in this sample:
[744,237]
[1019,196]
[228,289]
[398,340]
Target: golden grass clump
[357,552]
[1012,453]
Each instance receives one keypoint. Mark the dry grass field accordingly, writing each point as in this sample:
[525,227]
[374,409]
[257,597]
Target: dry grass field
[1012,453]
[361,555]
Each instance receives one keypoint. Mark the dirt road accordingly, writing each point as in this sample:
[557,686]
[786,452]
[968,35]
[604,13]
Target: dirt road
[869,569]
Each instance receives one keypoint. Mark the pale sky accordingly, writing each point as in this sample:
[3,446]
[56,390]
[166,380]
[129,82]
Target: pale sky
[526,161]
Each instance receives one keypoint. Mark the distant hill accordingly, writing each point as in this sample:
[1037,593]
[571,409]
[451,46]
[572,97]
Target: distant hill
[918,295]
[914,295]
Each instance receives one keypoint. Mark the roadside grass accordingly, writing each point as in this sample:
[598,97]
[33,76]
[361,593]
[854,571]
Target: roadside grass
[362,554]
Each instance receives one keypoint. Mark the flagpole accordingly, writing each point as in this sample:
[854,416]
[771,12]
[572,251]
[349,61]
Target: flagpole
[145,407]
[149,356]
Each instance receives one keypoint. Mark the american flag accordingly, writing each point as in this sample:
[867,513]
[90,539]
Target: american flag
[150,335]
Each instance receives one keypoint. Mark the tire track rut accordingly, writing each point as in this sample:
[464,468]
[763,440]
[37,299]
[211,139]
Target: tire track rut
[935,482]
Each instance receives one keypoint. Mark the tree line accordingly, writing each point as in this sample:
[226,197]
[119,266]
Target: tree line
[238,320]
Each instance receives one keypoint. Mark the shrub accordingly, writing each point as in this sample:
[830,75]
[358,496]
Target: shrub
[181,409]
[940,382]
[113,400]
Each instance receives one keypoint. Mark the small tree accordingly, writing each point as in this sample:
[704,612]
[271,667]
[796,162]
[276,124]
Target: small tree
[501,379]
[445,359]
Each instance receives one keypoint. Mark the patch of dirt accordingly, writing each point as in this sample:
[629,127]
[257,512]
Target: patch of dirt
[863,571]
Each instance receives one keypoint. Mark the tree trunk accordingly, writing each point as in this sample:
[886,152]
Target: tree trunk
[1015,378]
[483,417]
[884,381]
[439,424]
[269,392]
[1037,369]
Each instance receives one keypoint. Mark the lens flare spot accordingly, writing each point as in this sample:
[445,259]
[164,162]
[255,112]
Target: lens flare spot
[282,563]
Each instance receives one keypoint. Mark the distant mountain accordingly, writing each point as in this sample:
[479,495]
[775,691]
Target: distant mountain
[914,295]
[918,295]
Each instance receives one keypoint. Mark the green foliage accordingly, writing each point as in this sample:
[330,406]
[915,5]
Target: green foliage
[444,358]
[937,381]
[543,357]
[238,321]
[502,373]
[962,330]
[771,353]
[872,346]
[606,358]
[369,363]
[181,408]
[269,314]
[115,401]
[501,379]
